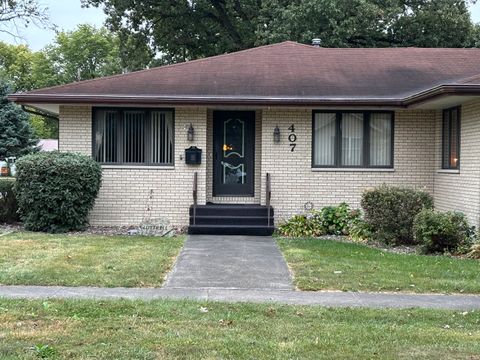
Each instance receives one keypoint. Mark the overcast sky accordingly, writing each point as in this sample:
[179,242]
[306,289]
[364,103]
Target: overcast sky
[67,14]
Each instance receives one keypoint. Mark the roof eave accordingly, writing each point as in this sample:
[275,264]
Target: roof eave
[408,101]
[198,100]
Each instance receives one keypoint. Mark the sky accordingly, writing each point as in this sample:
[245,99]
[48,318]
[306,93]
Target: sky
[67,14]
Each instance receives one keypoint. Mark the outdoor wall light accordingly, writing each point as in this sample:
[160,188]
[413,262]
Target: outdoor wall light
[276,135]
[190,133]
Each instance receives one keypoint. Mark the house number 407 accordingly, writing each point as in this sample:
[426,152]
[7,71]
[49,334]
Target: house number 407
[292,137]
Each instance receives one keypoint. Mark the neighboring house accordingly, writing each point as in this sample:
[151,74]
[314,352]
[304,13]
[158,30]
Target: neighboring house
[48,144]
[324,123]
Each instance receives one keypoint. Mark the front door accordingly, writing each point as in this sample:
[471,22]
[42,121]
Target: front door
[233,153]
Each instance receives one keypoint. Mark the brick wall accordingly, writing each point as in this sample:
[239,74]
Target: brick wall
[460,190]
[295,183]
[127,193]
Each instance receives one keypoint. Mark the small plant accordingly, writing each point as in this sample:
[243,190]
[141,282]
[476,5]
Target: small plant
[44,351]
[442,231]
[390,212]
[330,220]
[335,219]
[55,191]
[359,230]
[474,252]
[8,202]
[300,225]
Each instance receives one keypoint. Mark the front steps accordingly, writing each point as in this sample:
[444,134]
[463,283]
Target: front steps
[231,219]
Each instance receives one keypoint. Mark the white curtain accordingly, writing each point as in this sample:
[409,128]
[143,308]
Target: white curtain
[324,147]
[161,137]
[380,139]
[352,139]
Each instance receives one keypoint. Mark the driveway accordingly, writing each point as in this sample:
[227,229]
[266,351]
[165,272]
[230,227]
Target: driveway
[230,262]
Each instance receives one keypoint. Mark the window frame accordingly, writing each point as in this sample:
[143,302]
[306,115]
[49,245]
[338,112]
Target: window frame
[147,133]
[366,140]
[459,130]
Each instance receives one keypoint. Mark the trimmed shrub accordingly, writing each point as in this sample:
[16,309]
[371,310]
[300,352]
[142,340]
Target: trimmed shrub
[330,220]
[8,202]
[390,212]
[442,231]
[56,191]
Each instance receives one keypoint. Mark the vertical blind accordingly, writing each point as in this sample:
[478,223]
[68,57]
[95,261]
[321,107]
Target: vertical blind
[353,139]
[380,139]
[324,146]
[451,139]
[123,136]
[106,137]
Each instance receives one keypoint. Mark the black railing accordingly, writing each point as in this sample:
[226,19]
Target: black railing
[195,196]
[268,197]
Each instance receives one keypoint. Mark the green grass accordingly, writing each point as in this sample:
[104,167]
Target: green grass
[183,330]
[330,265]
[40,259]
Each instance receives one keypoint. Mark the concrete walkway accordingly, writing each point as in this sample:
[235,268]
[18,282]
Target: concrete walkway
[333,299]
[240,269]
[230,262]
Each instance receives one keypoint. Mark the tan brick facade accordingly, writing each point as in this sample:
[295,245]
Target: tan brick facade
[294,182]
[127,192]
[460,190]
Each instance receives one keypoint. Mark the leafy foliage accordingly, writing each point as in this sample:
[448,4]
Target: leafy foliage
[16,134]
[44,128]
[85,53]
[300,225]
[56,191]
[330,220]
[474,252]
[8,202]
[442,231]
[390,212]
[184,30]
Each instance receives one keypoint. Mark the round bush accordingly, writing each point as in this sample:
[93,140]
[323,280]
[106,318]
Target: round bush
[55,191]
[442,231]
[8,202]
[391,210]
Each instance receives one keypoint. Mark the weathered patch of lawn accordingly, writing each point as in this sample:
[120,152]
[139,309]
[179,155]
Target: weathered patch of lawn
[86,260]
[197,330]
[330,265]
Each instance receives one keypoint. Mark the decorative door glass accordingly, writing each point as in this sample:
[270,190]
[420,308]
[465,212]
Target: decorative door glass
[233,164]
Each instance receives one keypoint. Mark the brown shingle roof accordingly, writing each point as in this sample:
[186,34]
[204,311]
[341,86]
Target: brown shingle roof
[281,72]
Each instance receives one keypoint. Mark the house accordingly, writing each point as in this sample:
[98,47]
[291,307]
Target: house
[309,126]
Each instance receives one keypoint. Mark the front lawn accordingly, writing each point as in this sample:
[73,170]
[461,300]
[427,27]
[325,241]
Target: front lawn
[330,265]
[86,260]
[202,330]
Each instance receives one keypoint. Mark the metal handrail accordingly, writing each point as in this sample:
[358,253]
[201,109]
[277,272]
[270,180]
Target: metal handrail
[195,196]
[268,196]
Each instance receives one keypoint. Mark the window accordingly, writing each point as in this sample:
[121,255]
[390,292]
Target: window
[451,139]
[353,139]
[133,136]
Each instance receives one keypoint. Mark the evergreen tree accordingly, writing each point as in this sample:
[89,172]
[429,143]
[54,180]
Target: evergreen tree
[16,135]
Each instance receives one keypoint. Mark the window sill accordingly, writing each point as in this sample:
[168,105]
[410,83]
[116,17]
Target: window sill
[447,171]
[139,167]
[352,170]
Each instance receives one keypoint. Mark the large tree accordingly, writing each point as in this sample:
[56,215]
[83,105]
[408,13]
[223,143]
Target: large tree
[21,13]
[189,29]
[16,135]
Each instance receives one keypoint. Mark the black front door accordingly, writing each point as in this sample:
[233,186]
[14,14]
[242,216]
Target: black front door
[233,153]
